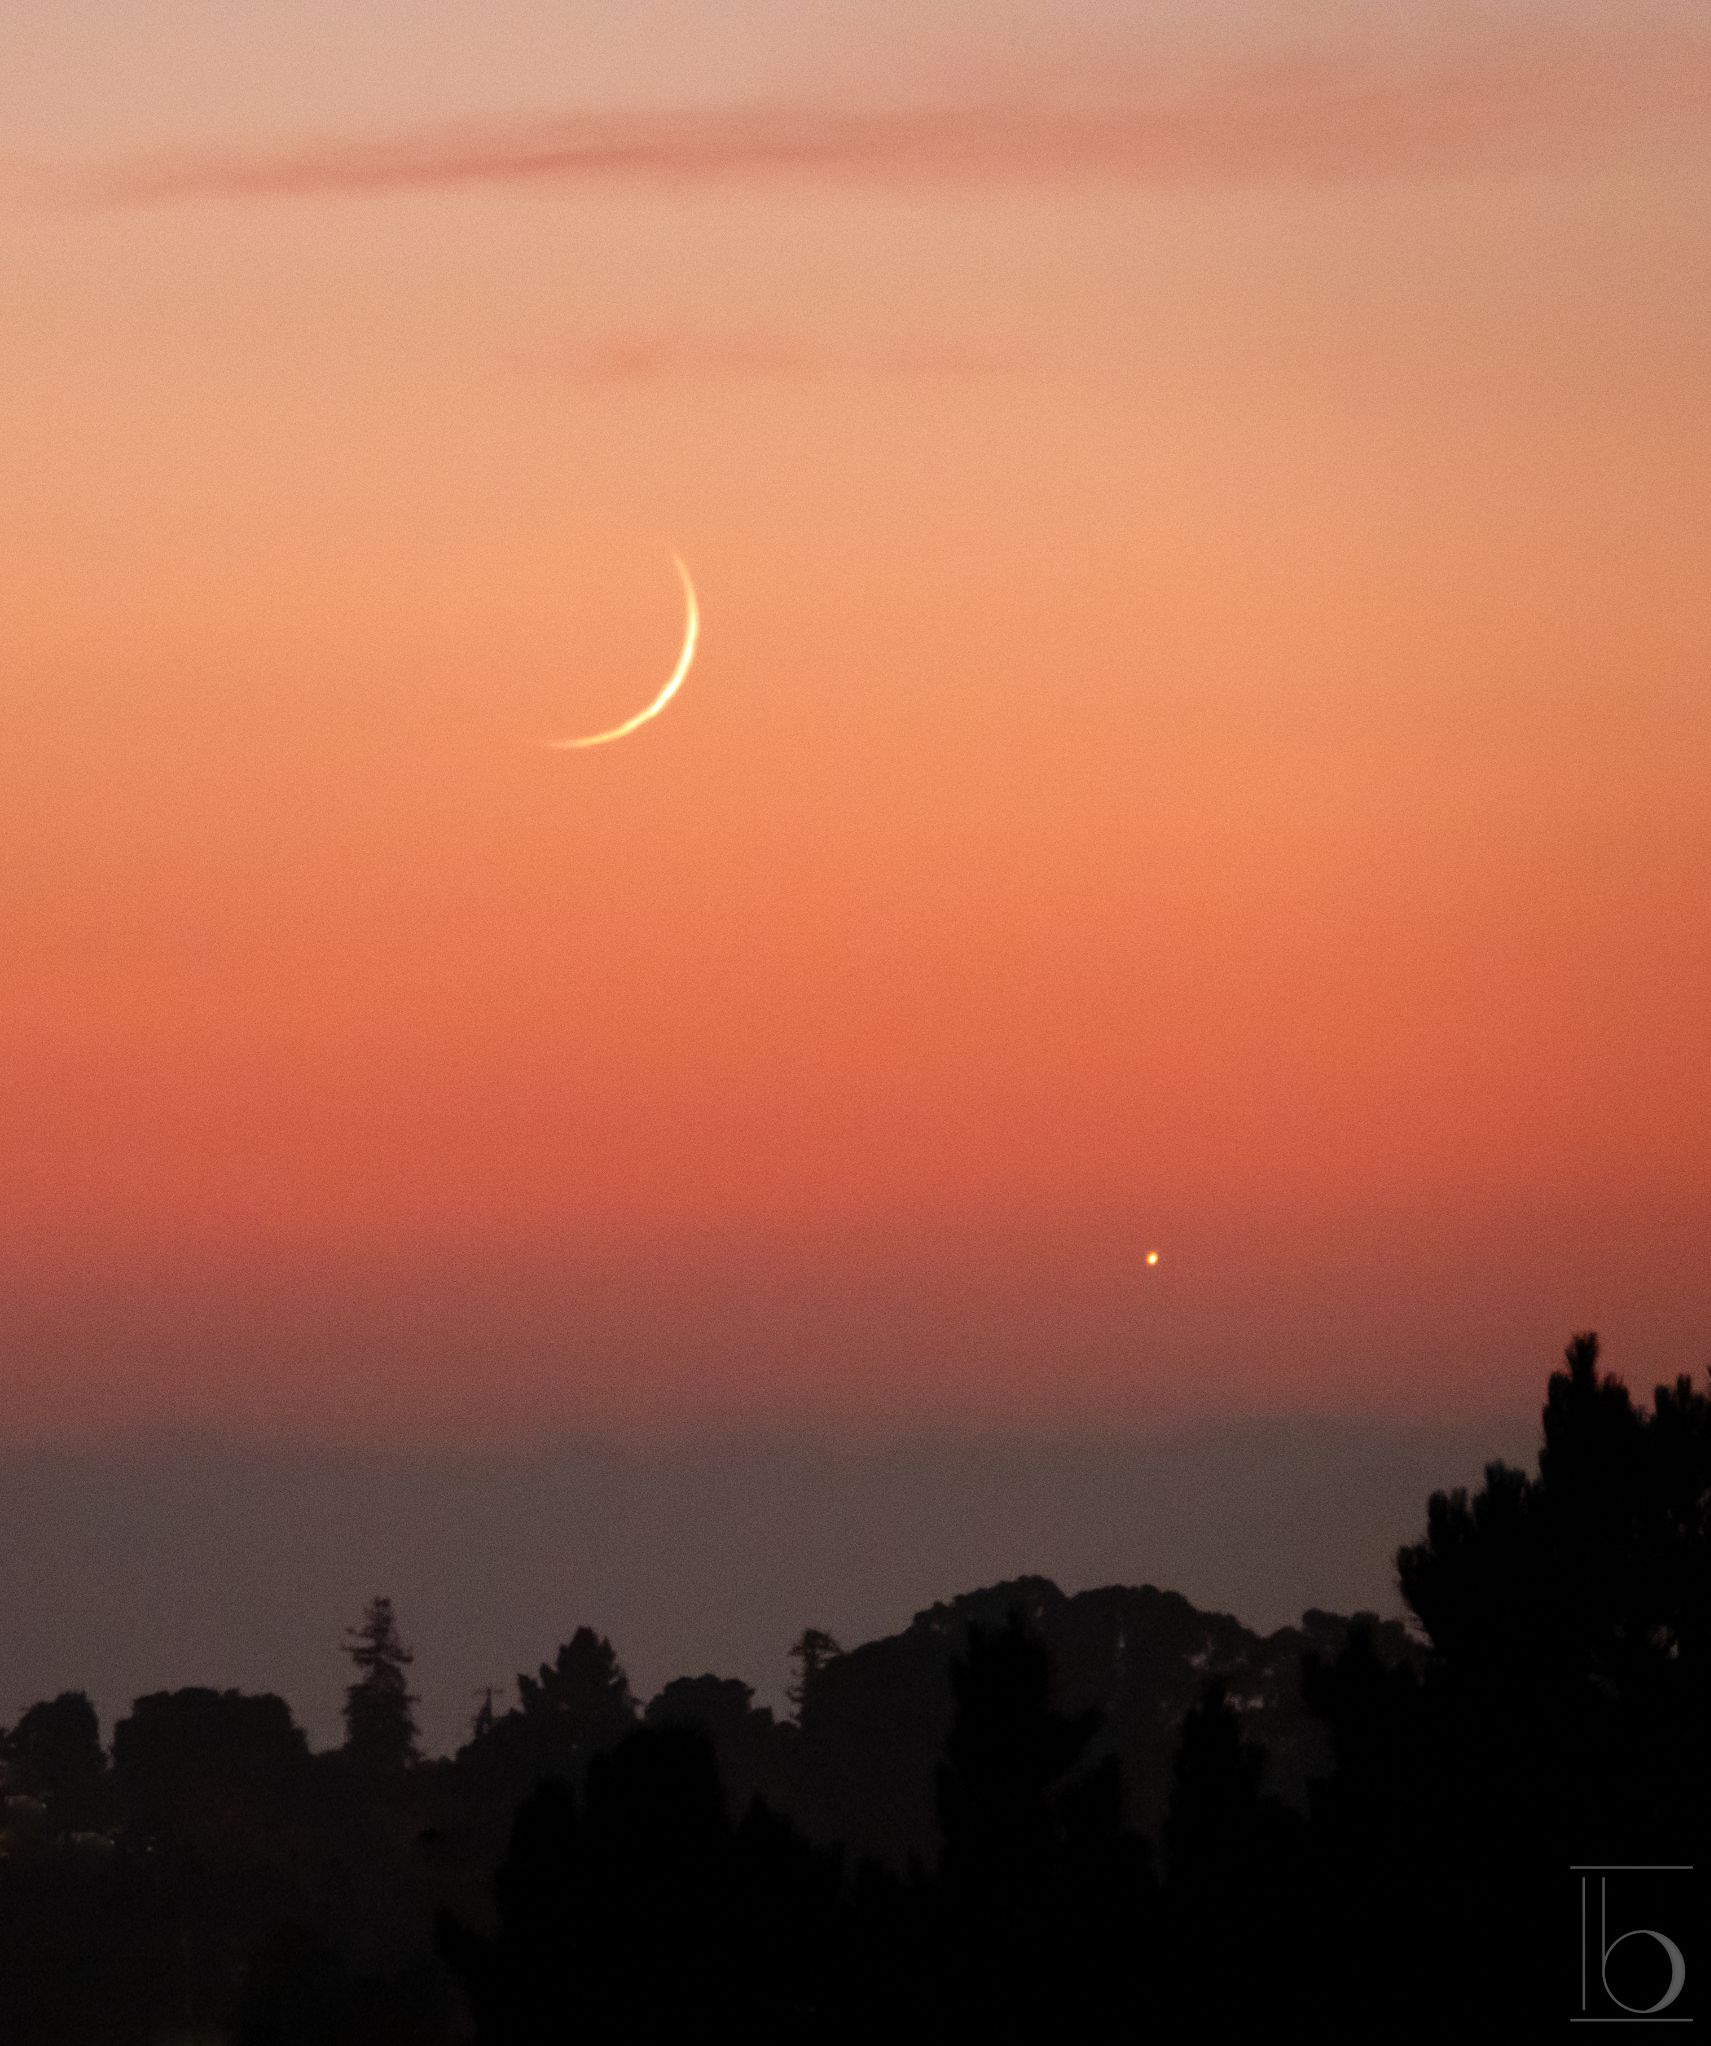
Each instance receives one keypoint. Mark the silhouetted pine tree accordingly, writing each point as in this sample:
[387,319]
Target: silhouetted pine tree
[1560,1718]
[584,1688]
[813,1650]
[380,1725]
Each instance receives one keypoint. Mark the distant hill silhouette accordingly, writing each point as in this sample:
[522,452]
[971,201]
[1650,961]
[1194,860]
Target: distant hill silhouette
[875,1720]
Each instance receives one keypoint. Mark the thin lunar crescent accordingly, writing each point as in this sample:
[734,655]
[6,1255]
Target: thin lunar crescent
[691,632]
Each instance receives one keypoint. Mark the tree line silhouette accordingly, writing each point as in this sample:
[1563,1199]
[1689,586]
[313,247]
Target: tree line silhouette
[1029,1816]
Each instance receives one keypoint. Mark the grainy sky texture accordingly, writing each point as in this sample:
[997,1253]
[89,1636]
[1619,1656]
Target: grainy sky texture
[1200,739]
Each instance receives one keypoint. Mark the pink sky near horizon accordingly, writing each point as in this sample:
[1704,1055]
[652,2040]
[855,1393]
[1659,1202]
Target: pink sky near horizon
[1199,738]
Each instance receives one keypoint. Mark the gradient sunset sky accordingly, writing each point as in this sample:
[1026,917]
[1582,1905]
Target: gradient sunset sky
[1200,740]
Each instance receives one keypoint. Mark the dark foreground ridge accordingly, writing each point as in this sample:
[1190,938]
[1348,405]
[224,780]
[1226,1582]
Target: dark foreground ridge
[1028,1816]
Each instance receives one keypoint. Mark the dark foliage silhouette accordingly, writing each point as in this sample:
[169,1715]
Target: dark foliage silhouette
[1035,1869]
[582,1689]
[1560,1716]
[754,1753]
[641,1908]
[570,1710]
[54,1757]
[1027,1816]
[1234,1925]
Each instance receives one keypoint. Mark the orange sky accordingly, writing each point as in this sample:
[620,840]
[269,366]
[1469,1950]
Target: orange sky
[1200,735]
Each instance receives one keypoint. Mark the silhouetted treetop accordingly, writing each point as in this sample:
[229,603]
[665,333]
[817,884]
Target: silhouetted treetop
[718,1705]
[54,1754]
[380,1722]
[813,1649]
[213,1771]
[585,1686]
[1598,1569]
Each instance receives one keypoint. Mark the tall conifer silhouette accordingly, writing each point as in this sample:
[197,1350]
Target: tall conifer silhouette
[380,1723]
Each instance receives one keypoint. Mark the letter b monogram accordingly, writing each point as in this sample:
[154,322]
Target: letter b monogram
[1610,1943]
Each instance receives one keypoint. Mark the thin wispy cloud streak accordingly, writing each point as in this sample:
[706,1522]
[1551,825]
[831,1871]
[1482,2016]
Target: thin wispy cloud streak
[645,359]
[1512,100]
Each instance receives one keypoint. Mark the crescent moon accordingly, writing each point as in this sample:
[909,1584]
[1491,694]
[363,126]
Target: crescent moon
[691,632]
